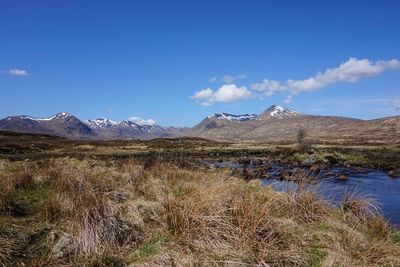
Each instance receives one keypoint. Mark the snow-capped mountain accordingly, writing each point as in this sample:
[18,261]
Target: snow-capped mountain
[62,124]
[58,116]
[232,117]
[100,123]
[274,123]
[272,112]
[67,125]
[127,129]
[279,112]
[104,123]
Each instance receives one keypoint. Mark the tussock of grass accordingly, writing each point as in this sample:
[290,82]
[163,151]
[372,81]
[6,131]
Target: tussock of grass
[98,213]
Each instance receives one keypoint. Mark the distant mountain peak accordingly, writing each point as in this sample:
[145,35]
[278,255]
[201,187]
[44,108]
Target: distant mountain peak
[273,111]
[62,124]
[63,115]
[232,117]
[100,123]
[280,112]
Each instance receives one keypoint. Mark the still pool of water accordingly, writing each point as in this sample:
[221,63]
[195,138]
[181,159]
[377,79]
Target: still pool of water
[372,183]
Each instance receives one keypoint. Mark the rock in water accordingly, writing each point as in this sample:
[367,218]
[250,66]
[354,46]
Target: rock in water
[394,173]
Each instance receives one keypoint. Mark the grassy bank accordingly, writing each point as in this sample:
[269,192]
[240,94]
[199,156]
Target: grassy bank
[115,213]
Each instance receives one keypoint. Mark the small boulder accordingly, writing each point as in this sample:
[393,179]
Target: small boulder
[347,164]
[394,173]
[248,174]
[244,161]
[331,159]
[308,162]
[315,167]
[257,162]
[284,174]
[62,244]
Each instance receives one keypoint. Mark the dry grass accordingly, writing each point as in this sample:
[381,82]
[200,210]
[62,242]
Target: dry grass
[104,213]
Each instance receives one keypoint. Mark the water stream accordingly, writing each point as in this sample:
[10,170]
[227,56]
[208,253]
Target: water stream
[372,183]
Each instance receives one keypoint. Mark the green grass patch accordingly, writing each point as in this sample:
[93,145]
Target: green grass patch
[150,248]
[317,255]
[395,235]
[28,201]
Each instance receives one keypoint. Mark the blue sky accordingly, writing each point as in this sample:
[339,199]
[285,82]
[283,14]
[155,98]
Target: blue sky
[166,60]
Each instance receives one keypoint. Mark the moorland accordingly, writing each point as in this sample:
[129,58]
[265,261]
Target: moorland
[160,203]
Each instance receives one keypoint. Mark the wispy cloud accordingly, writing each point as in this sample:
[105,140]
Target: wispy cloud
[396,104]
[17,72]
[141,121]
[348,72]
[288,99]
[227,78]
[230,79]
[213,79]
[226,93]
[268,87]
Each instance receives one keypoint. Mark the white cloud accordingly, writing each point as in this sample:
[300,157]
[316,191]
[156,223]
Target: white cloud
[203,94]
[350,72]
[213,79]
[141,121]
[396,104]
[205,104]
[18,72]
[268,87]
[227,78]
[288,99]
[230,79]
[226,93]
[231,93]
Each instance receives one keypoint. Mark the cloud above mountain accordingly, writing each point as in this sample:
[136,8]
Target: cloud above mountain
[348,72]
[141,121]
[226,93]
[288,99]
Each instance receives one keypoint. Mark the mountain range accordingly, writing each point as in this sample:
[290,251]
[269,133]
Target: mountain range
[67,125]
[274,124]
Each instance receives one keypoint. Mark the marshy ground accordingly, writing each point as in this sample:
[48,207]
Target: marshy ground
[154,203]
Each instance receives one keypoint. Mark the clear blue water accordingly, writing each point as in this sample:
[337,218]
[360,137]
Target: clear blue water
[372,183]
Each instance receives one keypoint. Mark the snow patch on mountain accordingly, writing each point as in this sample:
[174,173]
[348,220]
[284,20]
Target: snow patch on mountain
[36,119]
[100,123]
[104,123]
[232,117]
[61,115]
[281,112]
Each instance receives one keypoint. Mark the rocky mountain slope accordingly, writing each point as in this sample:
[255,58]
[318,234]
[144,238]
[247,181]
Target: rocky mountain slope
[282,124]
[61,124]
